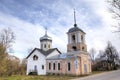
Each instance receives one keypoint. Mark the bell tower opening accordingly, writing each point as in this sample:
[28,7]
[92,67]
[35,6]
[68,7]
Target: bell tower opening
[74,48]
[73,38]
[83,48]
[82,38]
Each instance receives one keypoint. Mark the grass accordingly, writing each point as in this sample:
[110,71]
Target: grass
[53,77]
[97,72]
[36,78]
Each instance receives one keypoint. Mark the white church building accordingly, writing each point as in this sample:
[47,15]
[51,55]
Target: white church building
[36,60]
[48,60]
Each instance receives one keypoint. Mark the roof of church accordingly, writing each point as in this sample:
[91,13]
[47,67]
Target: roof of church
[75,28]
[45,53]
[68,55]
[62,56]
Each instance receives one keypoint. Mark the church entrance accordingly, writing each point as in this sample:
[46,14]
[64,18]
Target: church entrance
[85,68]
[35,68]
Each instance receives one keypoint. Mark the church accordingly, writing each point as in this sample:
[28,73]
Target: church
[48,60]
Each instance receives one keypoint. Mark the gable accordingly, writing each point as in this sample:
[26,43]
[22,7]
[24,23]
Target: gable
[48,53]
[55,52]
[33,52]
[36,53]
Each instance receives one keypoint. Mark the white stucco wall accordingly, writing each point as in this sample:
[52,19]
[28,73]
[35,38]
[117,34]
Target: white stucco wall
[41,61]
[79,37]
[55,52]
[47,43]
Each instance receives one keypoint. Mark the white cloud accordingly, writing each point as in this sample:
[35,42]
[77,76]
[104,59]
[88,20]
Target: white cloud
[28,34]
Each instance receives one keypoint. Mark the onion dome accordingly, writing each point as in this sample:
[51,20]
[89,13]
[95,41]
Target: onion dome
[46,38]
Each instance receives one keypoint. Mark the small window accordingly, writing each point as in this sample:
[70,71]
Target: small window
[69,66]
[53,66]
[42,67]
[44,45]
[58,66]
[35,57]
[49,66]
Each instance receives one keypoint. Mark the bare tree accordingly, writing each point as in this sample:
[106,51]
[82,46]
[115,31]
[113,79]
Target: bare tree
[92,54]
[109,58]
[7,37]
[115,9]
[111,55]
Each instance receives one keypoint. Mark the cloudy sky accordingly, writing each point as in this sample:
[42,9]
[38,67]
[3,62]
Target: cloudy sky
[29,18]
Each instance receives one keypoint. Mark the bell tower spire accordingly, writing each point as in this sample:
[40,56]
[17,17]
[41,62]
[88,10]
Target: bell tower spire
[46,31]
[75,25]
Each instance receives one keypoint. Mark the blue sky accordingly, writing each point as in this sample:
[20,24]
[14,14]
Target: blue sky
[29,18]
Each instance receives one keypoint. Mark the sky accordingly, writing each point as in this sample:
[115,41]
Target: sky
[29,18]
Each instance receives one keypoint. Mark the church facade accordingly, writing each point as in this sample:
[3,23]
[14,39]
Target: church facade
[36,60]
[48,60]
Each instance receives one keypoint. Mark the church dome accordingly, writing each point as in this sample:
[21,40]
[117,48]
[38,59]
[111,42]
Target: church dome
[45,37]
[74,29]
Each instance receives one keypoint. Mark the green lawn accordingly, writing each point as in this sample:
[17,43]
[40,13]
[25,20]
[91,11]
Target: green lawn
[53,77]
[37,78]
[97,72]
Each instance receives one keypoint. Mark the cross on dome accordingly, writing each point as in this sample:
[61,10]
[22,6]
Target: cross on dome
[75,25]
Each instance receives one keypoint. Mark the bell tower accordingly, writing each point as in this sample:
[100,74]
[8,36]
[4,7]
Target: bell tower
[76,38]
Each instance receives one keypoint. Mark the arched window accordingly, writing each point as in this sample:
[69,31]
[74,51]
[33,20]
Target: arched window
[73,38]
[69,66]
[49,66]
[35,57]
[44,45]
[58,66]
[74,48]
[42,67]
[53,66]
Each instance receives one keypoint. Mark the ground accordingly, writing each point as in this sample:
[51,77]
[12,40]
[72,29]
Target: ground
[111,75]
[99,75]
